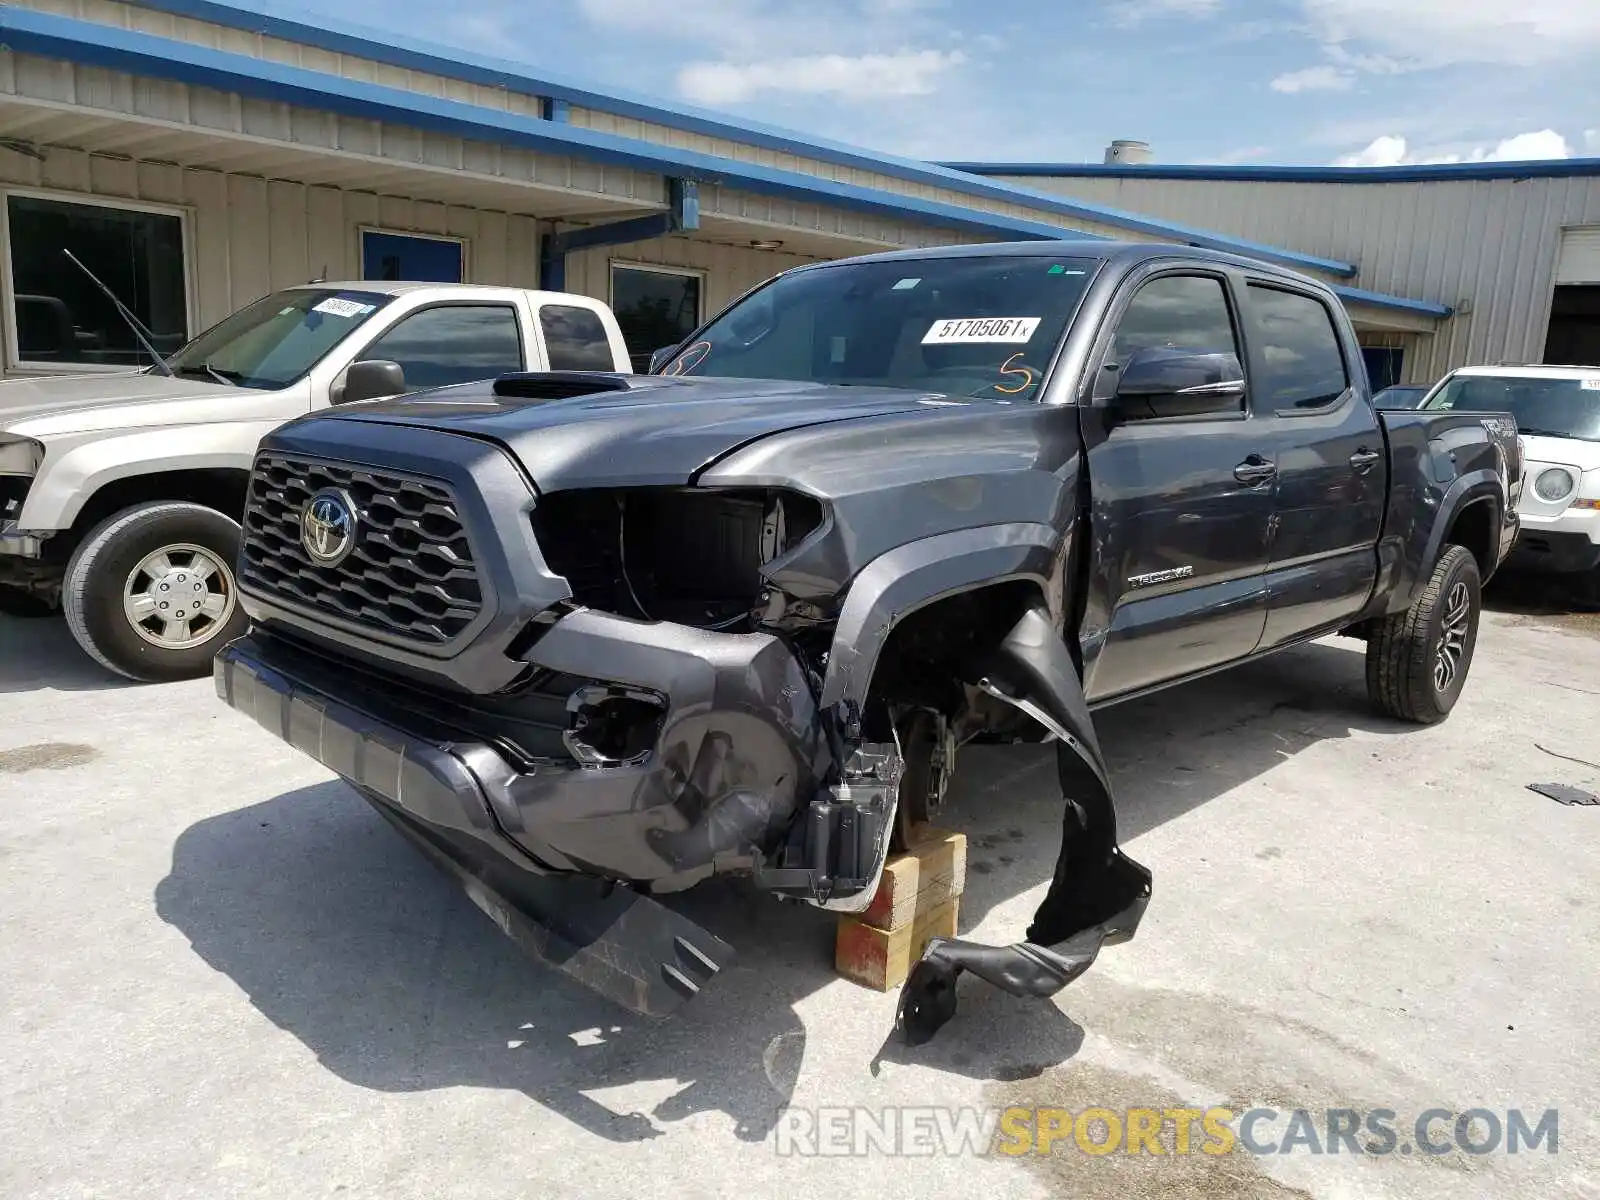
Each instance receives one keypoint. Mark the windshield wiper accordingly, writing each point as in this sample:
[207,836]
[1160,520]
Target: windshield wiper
[139,331]
[220,374]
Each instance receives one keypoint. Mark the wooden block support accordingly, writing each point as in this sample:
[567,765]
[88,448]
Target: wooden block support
[932,871]
[882,958]
[918,898]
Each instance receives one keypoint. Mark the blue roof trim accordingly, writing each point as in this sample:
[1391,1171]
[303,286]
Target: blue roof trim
[91,44]
[144,54]
[345,38]
[1558,168]
[1422,308]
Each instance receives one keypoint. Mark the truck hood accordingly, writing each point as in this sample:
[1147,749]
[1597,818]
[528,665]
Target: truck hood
[658,430]
[66,404]
[1566,452]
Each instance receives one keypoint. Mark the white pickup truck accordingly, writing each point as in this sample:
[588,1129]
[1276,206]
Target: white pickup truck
[120,492]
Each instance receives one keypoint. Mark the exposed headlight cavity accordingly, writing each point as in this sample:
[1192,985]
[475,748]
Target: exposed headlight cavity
[1554,484]
[19,456]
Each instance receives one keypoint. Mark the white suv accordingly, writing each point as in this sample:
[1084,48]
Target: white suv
[1558,417]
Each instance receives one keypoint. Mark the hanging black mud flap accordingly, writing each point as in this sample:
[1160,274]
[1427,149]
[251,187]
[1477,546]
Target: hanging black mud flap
[1097,895]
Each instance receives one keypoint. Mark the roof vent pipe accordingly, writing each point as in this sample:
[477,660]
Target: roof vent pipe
[1128,152]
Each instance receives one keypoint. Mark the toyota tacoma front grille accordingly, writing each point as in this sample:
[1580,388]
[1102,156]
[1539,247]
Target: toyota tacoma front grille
[407,570]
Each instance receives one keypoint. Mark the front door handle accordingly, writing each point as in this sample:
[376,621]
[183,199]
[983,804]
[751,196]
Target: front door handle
[1364,459]
[1255,469]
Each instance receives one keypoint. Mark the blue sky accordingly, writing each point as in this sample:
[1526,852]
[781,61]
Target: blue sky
[1274,81]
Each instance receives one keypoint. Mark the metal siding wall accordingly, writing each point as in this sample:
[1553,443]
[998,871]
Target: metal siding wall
[117,94]
[407,145]
[729,270]
[1493,243]
[249,236]
[875,233]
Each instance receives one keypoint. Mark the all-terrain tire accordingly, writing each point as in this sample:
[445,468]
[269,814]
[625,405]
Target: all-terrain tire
[1405,675]
[100,575]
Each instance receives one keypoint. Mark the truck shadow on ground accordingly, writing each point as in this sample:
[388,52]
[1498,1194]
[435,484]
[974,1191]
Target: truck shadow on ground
[39,652]
[341,935]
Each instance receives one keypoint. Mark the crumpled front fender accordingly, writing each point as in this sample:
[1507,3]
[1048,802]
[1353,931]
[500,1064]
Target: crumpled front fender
[1097,894]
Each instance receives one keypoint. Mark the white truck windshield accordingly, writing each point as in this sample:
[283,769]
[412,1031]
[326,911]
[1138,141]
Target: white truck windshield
[273,342]
[1568,408]
[981,326]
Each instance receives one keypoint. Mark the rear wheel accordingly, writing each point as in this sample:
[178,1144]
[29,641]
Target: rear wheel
[150,592]
[1417,660]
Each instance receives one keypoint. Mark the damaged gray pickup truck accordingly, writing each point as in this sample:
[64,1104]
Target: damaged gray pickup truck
[591,637]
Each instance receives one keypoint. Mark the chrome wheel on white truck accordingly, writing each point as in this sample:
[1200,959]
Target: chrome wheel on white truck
[150,592]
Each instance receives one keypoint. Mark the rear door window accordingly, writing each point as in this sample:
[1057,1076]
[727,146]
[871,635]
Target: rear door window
[1299,362]
[575,338]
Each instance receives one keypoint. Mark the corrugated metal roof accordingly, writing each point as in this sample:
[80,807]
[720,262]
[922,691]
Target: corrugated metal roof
[144,54]
[346,38]
[1557,168]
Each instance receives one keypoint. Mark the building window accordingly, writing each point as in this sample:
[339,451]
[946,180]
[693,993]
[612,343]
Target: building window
[412,258]
[59,315]
[452,343]
[655,306]
[575,338]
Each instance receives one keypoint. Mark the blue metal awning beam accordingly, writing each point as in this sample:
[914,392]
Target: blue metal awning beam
[683,216]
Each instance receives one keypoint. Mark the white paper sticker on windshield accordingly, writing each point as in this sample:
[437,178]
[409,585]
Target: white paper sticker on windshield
[1589,385]
[970,330]
[906,285]
[334,306]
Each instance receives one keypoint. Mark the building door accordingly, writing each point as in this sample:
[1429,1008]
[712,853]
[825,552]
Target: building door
[393,257]
[655,307]
[1574,337]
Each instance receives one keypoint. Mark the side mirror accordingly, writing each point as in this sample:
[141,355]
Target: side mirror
[1179,383]
[659,358]
[369,380]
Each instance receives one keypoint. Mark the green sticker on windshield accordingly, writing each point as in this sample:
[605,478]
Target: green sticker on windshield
[1058,269]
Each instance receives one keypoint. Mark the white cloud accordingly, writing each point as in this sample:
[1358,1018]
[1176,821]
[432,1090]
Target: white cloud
[1136,12]
[1391,150]
[909,73]
[1313,79]
[1591,141]
[1385,151]
[1426,33]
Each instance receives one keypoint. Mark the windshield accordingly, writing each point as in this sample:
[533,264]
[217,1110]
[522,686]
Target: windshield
[276,340]
[981,326]
[1568,408]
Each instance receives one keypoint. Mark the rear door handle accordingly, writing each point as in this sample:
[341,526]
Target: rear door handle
[1363,459]
[1255,469]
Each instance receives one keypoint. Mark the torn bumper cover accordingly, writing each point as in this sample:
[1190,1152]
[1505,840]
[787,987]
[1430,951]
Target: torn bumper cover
[562,852]
[571,798]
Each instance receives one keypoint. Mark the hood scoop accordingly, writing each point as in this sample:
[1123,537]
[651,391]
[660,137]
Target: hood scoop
[559,385]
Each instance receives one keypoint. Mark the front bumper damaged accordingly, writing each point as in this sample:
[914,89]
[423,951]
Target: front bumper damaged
[563,830]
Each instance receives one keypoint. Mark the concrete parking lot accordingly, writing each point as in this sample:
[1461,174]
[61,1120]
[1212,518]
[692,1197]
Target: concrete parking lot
[224,976]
